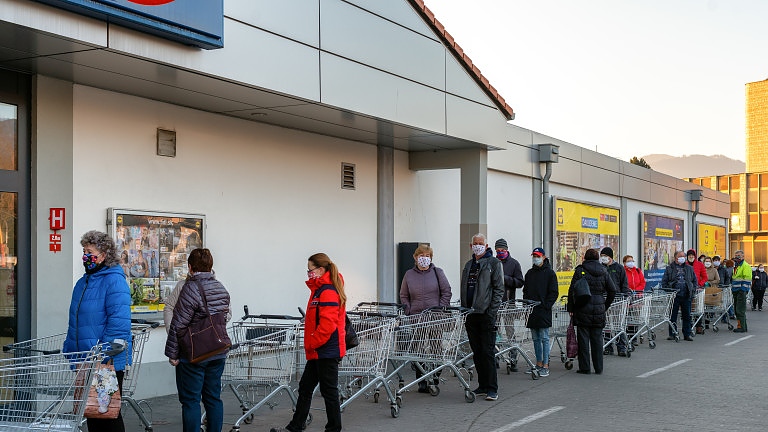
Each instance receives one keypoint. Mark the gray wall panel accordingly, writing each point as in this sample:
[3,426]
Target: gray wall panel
[361,36]
[458,82]
[295,19]
[636,189]
[600,180]
[636,171]
[372,92]
[398,11]
[567,172]
[600,160]
[660,195]
[475,122]
[517,159]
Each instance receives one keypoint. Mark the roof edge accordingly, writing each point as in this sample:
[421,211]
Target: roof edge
[429,17]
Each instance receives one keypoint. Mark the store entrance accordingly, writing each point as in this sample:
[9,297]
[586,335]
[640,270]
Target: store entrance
[15,293]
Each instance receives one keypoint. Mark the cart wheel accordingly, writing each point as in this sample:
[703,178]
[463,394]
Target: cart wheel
[677,338]
[562,358]
[434,390]
[376,397]
[535,374]
[399,401]
[248,419]
[629,353]
[569,364]
[148,429]
[651,344]
[653,336]
[308,421]
[631,349]
[730,326]
[469,397]
[509,369]
[640,339]
[401,384]
[395,411]
[715,329]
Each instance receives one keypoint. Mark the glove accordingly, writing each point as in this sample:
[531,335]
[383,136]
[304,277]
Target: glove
[707,285]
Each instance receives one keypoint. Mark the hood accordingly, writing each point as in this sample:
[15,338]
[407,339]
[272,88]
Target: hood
[691,252]
[594,267]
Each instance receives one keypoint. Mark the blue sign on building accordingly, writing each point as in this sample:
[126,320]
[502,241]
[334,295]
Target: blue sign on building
[590,223]
[192,22]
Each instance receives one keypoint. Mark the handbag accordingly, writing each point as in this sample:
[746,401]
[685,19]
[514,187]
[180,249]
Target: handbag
[207,337]
[571,342]
[350,335]
[104,399]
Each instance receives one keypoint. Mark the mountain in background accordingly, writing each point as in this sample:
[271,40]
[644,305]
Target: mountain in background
[694,165]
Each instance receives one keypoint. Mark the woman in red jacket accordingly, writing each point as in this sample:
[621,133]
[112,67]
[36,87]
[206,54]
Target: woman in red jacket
[635,278]
[323,343]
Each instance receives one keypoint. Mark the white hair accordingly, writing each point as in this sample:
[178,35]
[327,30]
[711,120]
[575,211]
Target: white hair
[480,235]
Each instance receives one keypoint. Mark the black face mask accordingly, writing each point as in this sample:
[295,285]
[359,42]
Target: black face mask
[92,270]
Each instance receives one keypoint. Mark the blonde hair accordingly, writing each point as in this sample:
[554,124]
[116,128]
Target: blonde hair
[423,249]
[322,260]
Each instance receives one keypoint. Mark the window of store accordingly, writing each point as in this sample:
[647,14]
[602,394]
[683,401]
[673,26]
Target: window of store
[722,184]
[735,201]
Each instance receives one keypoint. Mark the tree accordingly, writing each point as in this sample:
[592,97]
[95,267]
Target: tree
[640,162]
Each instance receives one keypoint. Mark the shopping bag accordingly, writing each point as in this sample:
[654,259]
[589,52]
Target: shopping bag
[571,343]
[104,394]
[713,296]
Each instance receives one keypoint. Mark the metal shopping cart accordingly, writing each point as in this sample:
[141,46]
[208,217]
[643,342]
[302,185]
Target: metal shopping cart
[429,341]
[40,346]
[140,331]
[717,301]
[363,370]
[616,322]
[661,303]
[47,391]
[262,361]
[697,309]
[559,330]
[513,336]
[638,320]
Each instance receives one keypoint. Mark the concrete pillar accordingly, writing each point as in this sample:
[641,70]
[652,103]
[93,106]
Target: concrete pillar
[385,231]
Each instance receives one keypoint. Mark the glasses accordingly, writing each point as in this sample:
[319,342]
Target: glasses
[311,270]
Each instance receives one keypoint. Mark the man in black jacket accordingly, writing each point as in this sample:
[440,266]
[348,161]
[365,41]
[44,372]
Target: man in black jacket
[619,275]
[513,273]
[680,278]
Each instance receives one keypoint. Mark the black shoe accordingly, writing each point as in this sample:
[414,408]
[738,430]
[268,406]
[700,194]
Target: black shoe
[670,338]
[623,353]
[739,330]
[423,387]
[480,391]
[583,372]
[688,338]
[598,372]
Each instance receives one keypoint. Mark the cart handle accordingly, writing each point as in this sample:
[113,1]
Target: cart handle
[153,324]
[267,316]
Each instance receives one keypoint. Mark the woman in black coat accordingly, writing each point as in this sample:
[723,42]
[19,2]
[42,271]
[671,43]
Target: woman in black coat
[589,319]
[759,284]
[541,286]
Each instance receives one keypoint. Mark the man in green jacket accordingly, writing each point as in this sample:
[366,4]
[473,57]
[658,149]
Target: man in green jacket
[740,285]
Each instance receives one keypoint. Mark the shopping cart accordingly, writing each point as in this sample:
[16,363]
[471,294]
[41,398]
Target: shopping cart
[363,369]
[697,309]
[661,303]
[638,320]
[48,391]
[429,342]
[512,334]
[140,330]
[261,362]
[559,330]
[717,301]
[40,346]
[616,322]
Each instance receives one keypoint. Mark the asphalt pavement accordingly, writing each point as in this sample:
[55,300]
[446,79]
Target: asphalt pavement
[718,383]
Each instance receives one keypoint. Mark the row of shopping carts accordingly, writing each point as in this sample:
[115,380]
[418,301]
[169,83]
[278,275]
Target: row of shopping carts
[42,388]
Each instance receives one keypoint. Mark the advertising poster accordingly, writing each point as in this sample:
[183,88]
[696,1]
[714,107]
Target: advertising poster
[578,227]
[661,237]
[712,240]
[153,249]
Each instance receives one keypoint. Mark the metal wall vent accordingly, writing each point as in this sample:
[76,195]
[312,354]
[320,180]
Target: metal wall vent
[347,176]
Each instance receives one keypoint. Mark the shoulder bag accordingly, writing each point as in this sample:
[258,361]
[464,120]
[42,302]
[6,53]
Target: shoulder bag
[207,337]
[350,335]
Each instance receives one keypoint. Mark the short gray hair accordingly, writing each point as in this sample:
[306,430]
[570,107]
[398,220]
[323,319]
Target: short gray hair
[480,235]
[104,244]
[679,252]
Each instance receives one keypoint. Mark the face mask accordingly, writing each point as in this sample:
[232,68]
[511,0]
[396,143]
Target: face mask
[478,250]
[761,269]
[89,262]
[538,261]
[423,261]
[707,264]
[312,275]
[716,263]
[630,264]
[691,259]
[681,260]
[502,254]
[604,260]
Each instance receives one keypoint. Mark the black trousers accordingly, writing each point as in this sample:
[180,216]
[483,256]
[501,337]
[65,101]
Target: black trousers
[757,298]
[590,341]
[481,331]
[109,425]
[326,373]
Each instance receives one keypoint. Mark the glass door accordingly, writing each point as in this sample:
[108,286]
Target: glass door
[8,221]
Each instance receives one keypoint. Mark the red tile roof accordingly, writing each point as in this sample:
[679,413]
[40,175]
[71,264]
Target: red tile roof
[481,80]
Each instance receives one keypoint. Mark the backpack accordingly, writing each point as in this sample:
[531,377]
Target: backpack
[581,292]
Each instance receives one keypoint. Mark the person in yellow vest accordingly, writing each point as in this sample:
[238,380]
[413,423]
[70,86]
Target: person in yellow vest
[740,285]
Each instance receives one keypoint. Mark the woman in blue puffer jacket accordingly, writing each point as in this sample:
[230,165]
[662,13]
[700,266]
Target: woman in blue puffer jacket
[100,311]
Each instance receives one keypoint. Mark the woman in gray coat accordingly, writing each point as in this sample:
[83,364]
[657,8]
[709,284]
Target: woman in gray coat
[424,286]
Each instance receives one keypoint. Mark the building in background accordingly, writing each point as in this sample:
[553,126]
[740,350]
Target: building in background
[757,126]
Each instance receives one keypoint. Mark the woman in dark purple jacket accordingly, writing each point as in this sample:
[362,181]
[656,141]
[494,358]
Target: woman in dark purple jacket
[424,286]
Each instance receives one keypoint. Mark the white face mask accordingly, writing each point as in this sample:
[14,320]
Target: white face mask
[630,264]
[707,264]
[537,261]
[716,263]
[604,260]
[761,269]
[478,250]
[681,260]
[423,261]
[692,259]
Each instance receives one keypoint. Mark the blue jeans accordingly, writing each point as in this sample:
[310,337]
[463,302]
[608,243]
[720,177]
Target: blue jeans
[540,337]
[683,304]
[200,380]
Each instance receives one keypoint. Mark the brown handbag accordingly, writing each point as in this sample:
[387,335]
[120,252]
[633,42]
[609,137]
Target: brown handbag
[205,338]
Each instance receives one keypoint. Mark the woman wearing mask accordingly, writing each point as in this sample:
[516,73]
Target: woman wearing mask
[635,277]
[713,277]
[759,284]
[100,311]
[424,286]
[323,343]
[712,290]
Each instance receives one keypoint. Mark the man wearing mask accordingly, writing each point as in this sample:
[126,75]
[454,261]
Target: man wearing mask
[513,274]
[698,267]
[619,276]
[679,278]
[482,287]
[740,284]
[722,272]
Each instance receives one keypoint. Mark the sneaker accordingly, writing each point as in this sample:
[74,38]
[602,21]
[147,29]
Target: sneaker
[623,353]
[544,372]
[479,391]
[491,396]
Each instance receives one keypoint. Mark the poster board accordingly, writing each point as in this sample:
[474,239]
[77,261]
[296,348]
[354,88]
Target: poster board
[712,240]
[660,236]
[152,248]
[580,226]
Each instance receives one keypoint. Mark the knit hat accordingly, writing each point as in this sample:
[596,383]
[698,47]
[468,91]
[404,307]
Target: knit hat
[501,244]
[607,251]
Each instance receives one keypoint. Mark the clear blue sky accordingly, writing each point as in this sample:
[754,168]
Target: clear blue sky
[624,77]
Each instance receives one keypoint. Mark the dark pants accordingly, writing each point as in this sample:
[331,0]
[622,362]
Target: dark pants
[109,425]
[740,307]
[590,341]
[683,304]
[757,298]
[196,381]
[481,331]
[326,373]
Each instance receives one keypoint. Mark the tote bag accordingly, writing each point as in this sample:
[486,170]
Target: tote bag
[207,337]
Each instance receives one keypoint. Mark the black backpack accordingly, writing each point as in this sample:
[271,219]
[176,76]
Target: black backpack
[350,336]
